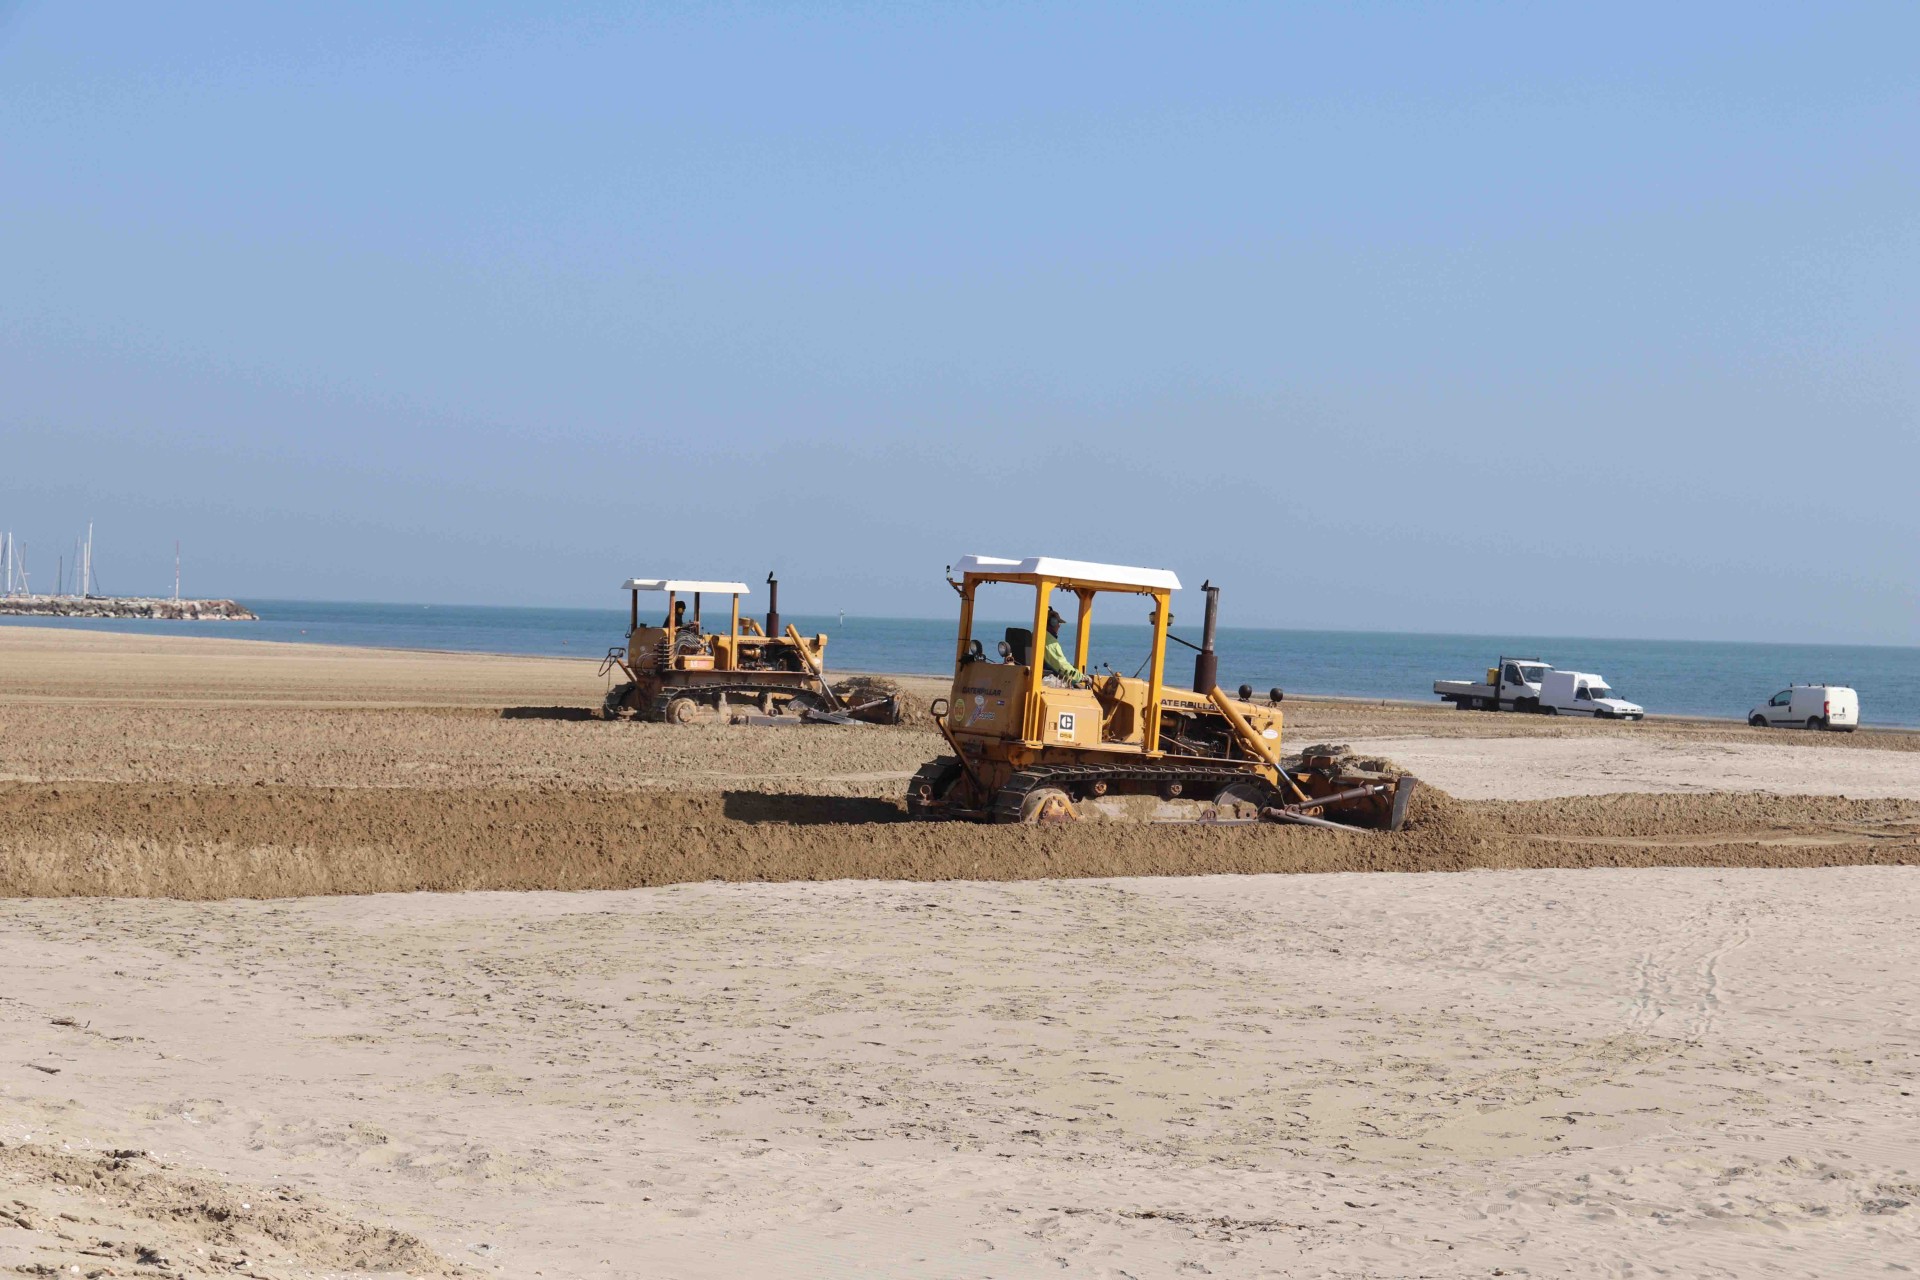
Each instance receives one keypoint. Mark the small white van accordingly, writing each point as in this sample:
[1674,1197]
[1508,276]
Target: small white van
[1581,693]
[1810,706]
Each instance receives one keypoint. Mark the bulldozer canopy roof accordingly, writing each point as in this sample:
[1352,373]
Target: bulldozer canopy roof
[1079,571]
[685,586]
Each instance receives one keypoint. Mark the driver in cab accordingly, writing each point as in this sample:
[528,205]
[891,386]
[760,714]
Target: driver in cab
[1056,657]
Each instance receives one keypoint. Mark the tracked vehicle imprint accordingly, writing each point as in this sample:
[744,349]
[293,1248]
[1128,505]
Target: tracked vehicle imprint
[1038,737]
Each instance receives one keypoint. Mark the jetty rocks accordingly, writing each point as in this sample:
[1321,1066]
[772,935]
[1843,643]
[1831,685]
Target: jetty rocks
[125,607]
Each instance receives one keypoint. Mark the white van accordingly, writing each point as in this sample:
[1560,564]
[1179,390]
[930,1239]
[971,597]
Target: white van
[1581,693]
[1810,706]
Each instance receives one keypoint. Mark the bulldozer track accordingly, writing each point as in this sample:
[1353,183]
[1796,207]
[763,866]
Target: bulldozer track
[1009,801]
[941,769]
[709,694]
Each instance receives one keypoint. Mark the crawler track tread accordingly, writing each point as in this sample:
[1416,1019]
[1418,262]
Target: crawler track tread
[938,774]
[1011,798]
[709,694]
[616,700]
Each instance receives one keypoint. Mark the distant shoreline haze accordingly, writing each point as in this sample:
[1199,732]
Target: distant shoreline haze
[755,605]
[1675,677]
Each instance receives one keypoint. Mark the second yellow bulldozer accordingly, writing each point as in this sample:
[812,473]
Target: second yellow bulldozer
[1037,737]
[680,672]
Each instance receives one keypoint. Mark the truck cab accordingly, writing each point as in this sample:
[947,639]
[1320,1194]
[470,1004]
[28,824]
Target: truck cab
[1518,681]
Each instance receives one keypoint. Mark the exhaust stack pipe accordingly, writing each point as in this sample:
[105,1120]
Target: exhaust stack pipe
[1206,666]
[773,605]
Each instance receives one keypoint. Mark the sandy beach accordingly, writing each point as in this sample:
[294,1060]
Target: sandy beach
[1623,999]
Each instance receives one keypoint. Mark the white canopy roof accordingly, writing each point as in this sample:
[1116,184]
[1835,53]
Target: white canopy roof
[685,586]
[1075,571]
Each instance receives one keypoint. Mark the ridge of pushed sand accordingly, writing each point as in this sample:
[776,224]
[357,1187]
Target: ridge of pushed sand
[210,768]
[138,840]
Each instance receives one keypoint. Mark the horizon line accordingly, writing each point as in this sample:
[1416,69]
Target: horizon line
[1381,631]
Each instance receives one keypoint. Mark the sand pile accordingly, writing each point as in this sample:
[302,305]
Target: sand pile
[93,839]
[855,690]
[1438,819]
[124,1213]
[1659,816]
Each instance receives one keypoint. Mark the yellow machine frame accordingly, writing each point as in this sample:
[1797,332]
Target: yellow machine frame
[1118,747]
[1008,760]
[1084,591]
[741,634]
[670,687]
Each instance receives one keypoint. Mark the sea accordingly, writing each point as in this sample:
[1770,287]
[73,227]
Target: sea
[1671,677]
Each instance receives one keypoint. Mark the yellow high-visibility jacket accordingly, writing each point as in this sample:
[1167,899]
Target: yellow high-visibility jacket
[1057,663]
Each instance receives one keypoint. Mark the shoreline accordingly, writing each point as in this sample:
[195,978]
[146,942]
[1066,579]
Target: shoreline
[1331,699]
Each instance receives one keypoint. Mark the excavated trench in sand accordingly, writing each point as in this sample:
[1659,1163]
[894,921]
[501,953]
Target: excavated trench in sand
[143,840]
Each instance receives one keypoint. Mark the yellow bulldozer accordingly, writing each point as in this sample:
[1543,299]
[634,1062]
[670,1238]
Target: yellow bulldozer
[679,672]
[1038,737]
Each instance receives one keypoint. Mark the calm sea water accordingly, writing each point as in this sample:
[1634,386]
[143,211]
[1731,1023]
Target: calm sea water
[1666,676]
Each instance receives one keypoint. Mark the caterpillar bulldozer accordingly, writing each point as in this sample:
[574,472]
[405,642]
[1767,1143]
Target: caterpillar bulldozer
[1037,737]
[678,672]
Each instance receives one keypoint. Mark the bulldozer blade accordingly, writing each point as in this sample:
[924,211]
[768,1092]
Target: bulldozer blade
[1299,815]
[1402,798]
[877,711]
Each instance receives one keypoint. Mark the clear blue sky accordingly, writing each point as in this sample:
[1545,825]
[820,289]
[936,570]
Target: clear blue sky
[1528,319]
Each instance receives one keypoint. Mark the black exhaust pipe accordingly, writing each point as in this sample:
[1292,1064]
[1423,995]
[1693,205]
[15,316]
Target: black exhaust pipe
[1206,666]
[773,605]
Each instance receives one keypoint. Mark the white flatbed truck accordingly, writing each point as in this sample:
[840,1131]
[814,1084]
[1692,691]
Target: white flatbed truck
[1513,685]
[1528,684]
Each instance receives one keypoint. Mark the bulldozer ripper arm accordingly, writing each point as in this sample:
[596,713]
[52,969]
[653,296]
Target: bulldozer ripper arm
[813,668]
[1304,820]
[1252,741]
[617,657]
[1322,803]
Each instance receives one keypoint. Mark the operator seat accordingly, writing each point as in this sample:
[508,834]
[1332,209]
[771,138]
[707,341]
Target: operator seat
[1119,715]
[1020,640]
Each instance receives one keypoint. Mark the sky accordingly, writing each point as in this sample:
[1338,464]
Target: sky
[1545,320]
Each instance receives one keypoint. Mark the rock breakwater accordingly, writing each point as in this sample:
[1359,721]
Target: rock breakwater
[125,607]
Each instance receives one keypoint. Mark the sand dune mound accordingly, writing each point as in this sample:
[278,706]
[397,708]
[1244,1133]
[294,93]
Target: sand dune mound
[1665,816]
[855,690]
[1433,816]
[138,1214]
[113,839]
